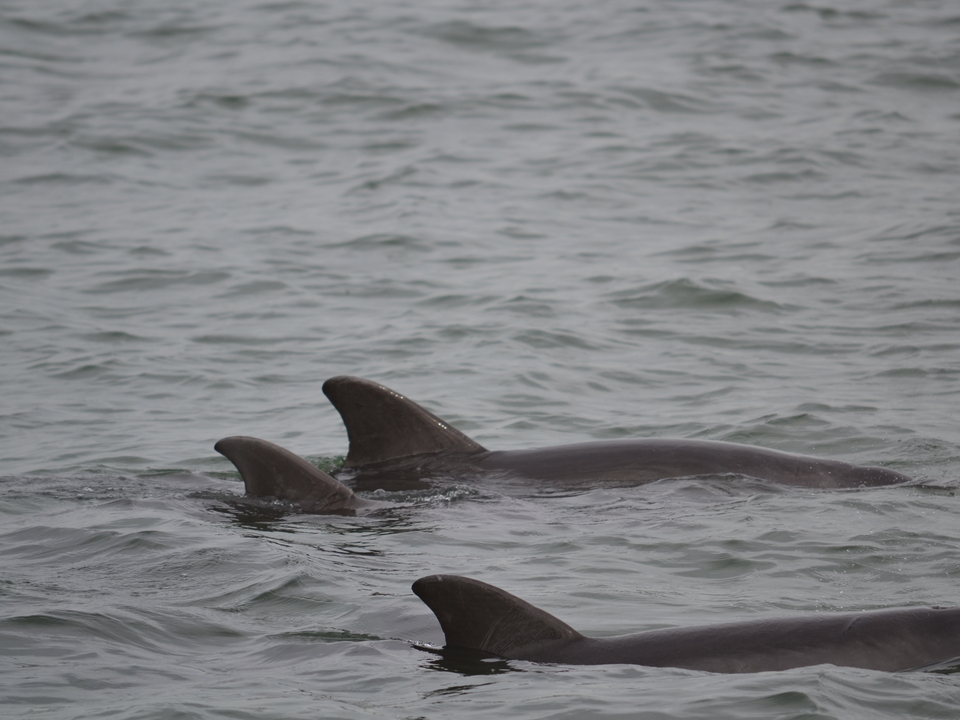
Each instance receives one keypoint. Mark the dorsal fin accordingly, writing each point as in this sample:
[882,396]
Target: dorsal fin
[383,424]
[478,616]
[270,470]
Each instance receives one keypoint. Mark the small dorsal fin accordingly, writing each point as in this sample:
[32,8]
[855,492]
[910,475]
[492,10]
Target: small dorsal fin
[270,470]
[384,425]
[478,616]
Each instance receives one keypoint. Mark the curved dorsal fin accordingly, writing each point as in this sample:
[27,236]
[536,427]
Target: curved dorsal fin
[383,424]
[270,470]
[478,616]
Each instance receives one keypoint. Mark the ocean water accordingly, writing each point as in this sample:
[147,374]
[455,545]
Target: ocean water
[547,222]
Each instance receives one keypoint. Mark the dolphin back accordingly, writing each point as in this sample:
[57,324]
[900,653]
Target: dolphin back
[270,470]
[384,425]
[478,616]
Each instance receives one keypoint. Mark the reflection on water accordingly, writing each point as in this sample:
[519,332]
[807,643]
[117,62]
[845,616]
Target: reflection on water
[461,661]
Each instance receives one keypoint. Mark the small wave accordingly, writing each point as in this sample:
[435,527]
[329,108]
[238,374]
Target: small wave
[141,280]
[62,178]
[469,35]
[381,242]
[919,81]
[684,293]
[437,495]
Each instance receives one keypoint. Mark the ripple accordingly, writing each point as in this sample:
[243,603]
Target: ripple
[140,280]
[685,293]
[918,81]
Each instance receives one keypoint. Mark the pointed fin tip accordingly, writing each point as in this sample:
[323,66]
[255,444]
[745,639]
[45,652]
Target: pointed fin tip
[478,616]
[270,470]
[384,425]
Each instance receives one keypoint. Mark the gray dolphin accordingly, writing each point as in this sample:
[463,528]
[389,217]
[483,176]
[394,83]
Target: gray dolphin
[388,431]
[480,617]
[269,470]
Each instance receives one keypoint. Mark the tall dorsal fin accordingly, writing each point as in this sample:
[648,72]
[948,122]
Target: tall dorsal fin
[270,470]
[478,616]
[383,424]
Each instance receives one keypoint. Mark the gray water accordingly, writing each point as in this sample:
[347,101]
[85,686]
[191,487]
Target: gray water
[548,222]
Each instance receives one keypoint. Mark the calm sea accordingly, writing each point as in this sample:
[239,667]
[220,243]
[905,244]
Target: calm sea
[547,222]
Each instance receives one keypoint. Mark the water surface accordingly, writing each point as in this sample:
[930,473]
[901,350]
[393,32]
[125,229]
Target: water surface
[549,223]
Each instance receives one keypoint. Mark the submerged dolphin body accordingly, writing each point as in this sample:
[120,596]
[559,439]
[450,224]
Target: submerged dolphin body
[389,431]
[480,617]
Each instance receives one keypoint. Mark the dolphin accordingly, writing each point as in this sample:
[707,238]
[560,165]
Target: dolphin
[269,470]
[476,616]
[388,432]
